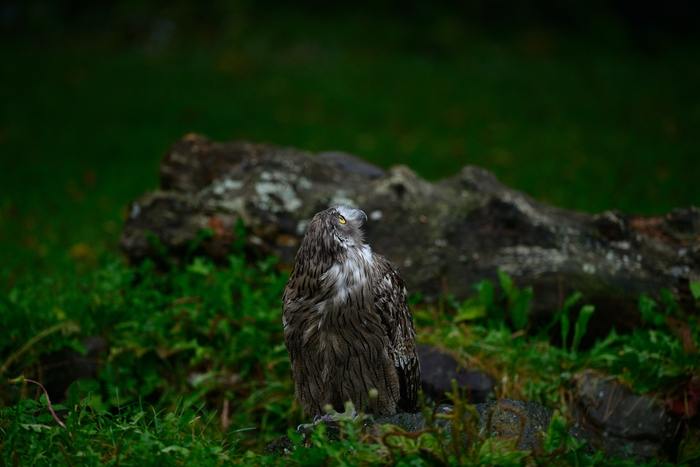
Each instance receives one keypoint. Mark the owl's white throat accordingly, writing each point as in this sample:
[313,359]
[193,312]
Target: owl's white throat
[350,275]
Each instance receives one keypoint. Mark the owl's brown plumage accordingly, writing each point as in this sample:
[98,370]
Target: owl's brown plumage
[347,325]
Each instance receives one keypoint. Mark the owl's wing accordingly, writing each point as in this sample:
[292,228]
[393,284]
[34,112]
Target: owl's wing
[391,304]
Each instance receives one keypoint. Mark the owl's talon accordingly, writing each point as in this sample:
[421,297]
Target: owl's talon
[329,417]
[318,419]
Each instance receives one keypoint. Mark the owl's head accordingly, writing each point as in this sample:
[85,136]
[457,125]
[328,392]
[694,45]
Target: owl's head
[337,227]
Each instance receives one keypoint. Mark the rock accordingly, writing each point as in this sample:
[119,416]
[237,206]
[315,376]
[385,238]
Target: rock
[444,236]
[612,415]
[522,420]
[61,368]
[526,420]
[439,368]
[282,446]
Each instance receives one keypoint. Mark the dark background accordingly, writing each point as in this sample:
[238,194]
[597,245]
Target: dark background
[589,105]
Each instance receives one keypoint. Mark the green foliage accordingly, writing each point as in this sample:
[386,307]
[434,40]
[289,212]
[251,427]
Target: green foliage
[135,436]
[581,325]
[695,290]
[513,305]
[562,316]
[481,306]
[210,337]
[202,333]
[647,308]
[139,435]
[518,300]
[465,444]
[660,355]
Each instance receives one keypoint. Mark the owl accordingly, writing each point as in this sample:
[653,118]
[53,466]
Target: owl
[347,325]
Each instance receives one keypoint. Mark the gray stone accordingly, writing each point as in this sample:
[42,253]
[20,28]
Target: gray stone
[612,415]
[439,368]
[444,236]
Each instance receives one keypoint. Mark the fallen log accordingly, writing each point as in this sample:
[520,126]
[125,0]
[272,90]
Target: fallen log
[444,236]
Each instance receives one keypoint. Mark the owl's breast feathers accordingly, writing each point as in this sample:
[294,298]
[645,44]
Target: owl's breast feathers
[348,330]
[347,324]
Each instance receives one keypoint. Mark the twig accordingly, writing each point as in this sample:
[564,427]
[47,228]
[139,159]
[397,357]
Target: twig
[23,380]
[225,421]
[34,340]
[65,454]
[523,419]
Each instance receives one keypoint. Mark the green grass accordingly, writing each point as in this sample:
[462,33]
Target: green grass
[136,435]
[197,370]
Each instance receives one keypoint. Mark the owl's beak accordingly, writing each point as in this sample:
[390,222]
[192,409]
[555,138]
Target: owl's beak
[362,215]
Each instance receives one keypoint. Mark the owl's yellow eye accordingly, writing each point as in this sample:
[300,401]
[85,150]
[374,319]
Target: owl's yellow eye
[341,219]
